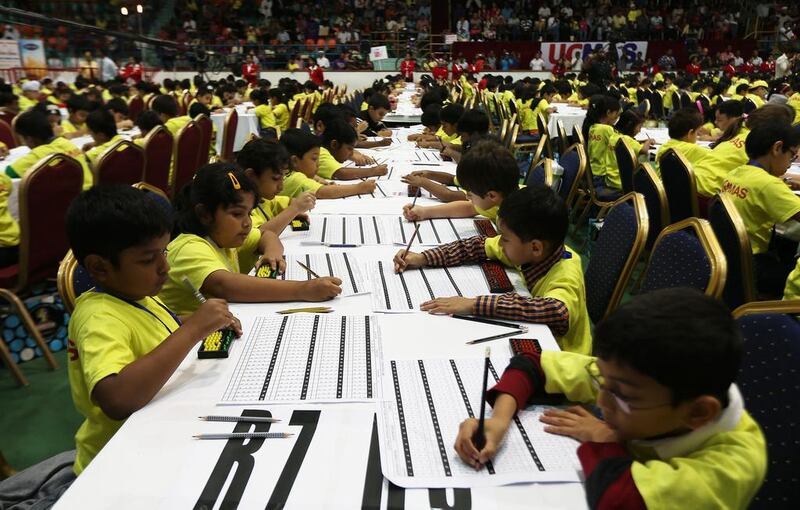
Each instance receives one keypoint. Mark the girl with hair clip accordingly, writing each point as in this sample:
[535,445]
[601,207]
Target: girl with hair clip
[215,233]
[628,125]
[280,110]
[598,131]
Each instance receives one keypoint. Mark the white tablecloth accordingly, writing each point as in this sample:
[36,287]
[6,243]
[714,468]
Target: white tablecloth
[405,112]
[248,124]
[570,116]
[153,462]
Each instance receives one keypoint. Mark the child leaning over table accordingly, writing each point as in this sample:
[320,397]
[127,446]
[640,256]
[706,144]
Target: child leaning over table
[674,432]
[123,342]
[532,223]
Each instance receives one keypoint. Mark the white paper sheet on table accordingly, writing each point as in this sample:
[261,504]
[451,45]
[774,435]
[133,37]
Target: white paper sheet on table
[434,232]
[350,230]
[426,400]
[404,292]
[308,358]
[343,265]
[387,189]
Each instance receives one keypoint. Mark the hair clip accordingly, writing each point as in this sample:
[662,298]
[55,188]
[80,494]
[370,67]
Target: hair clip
[234,181]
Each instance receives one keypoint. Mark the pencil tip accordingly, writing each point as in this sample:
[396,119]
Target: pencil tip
[488,351]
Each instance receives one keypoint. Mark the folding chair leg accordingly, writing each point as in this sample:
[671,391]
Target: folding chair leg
[9,362]
[15,301]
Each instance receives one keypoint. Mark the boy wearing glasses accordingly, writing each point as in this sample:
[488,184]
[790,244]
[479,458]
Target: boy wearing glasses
[674,432]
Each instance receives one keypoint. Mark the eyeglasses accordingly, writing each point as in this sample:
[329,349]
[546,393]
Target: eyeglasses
[599,383]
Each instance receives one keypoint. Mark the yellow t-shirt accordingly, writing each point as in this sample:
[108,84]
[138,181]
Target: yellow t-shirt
[9,229]
[454,138]
[491,214]
[723,471]
[297,182]
[793,284]
[759,102]
[710,172]
[57,146]
[175,124]
[25,103]
[328,165]
[794,102]
[268,209]
[711,128]
[281,113]
[194,257]
[527,115]
[601,152]
[691,151]
[106,334]
[95,152]
[563,282]
[69,127]
[265,116]
[612,177]
[762,201]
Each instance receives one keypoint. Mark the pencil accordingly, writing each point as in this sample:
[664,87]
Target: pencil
[316,309]
[479,439]
[493,337]
[489,321]
[416,230]
[246,419]
[245,435]
[312,273]
[194,290]
[416,196]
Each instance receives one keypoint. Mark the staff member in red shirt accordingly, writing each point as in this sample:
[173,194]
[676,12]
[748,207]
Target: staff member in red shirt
[250,70]
[693,68]
[407,68]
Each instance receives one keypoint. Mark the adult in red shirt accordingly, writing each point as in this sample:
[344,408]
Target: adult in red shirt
[729,69]
[315,72]
[458,70]
[250,70]
[693,67]
[747,67]
[133,70]
[440,72]
[767,66]
[407,67]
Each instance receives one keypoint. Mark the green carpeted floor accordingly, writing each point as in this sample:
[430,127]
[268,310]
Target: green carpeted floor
[39,420]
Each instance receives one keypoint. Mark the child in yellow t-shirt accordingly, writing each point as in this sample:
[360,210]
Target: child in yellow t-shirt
[75,123]
[9,228]
[263,112]
[628,125]
[103,129]
[599,133]
[447,133]
[683,127]
[277,101]
[304,156]
[217,235]
[338,142]
[763,199]
[124,344]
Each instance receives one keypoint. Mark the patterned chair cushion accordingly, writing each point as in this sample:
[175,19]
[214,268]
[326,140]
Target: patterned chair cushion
[678,260]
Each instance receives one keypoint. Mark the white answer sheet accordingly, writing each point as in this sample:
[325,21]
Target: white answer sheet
[435,232]
[426,400]
[342,265]
[404,292]
[350,230]
[308,358]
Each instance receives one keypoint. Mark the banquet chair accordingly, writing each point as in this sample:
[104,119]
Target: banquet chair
[679,183]
[17,306]
[122,163]
[229,135]
[626,163]
[732,236]
[573,165]
[7,134]
[540,173]
[72,280]
[646,182]
[135,107]
[207,139]
[188,143]
[158,146]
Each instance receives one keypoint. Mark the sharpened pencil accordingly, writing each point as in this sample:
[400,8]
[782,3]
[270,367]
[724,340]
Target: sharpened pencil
[312,273]
[245,419]
[479,439]
[416,230]
[245,435]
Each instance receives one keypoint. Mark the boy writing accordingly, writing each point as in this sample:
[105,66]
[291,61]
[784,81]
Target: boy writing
[338,141]
[532,223]
[124,344]
[683,127]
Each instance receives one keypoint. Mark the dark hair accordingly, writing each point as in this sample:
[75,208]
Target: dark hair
[198,108]
[279,94]
[379,101]
[147,120]
[166,105]
[338,129]
[683,121]
[535,212]
[310,85]
[263,155]
[599,105]
[34,124]
[731,108]
[212,187]
[117,105]
[78,102]
[326,113]
[760,141]
[109,218]
[473,122]
[628,120]
[430,117]
[742,87]
[768,114]
[102,121]
[488,166]
[299,142]
[259,95]
[683,339]
[451,113]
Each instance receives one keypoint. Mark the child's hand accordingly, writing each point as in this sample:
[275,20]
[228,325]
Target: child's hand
[416,213]
[449,152]
[578,423]
[410,260]
[494,429]
[322,289]
[385,142]
[272,252]
[211,316]
[303,202]
[366,187]
[448,305]
[415,180]
[381,169]
[418,173]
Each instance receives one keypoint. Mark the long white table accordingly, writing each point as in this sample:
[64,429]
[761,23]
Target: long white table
[247,125]
[332,461]
[570,116]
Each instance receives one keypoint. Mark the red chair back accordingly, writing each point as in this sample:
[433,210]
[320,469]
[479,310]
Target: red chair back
[295,113]
[135,107]
[121,163]
[186,99]
[185,156]
[45,193]
[7,116]
[7,134]
[229,135]
[158,146]
[207,131]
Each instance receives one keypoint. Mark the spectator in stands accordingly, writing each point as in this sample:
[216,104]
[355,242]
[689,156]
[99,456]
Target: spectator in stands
[667,61]
[108,68]
[88,67]
[537,63]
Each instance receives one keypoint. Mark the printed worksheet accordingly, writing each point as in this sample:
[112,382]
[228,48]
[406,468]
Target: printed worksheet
[426,401]
[404,292]
[440,231]
[350,230]
[306,359]
[342,265]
